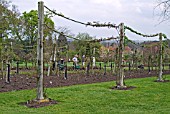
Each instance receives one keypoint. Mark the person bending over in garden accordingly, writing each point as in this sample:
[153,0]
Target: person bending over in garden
[75,60]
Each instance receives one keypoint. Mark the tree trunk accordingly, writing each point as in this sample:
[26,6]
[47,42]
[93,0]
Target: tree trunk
[116,65]
[6,77]
[56,71]
[160,58]
[49,66]
[1,56]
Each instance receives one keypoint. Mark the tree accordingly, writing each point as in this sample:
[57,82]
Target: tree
[164,7]
[62,41]
[26,32]
[7,17]
[30,22]
[81,44]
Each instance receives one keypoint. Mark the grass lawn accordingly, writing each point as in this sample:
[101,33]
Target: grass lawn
[148,98]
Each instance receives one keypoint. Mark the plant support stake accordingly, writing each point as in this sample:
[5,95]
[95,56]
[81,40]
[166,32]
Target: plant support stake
[120,63]
[40,51]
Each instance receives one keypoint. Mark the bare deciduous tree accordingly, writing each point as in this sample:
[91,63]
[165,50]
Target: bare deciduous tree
[164,7]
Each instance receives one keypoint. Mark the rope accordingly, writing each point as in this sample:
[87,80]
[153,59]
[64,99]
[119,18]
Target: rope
[104,39]
[95,40]
[61,33]
[140,34]
[128,40]
[93,24]
[97,24]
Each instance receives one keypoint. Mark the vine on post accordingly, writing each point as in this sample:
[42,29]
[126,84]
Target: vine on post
[120,59]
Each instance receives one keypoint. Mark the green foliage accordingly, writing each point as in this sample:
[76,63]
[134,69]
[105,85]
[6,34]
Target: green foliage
[6,16]
[86,48]
[30,20]
[72,53]
[81,44]
[27,33]
[31,26]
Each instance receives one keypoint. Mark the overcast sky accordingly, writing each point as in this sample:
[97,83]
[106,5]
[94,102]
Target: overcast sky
[137,14]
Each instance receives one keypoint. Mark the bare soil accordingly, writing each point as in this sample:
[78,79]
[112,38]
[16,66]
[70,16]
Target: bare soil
[22,82]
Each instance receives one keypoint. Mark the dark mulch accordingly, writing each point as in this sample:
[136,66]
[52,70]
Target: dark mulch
[38,104]
[21,82]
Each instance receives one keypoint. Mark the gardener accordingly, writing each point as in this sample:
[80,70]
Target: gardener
[83,60]
[75,60]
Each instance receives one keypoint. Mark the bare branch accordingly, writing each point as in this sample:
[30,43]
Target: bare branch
[164,7]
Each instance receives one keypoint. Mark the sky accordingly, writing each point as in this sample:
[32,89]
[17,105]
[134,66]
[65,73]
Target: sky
[137,14]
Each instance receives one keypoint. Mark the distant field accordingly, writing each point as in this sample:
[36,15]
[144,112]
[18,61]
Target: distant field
[148,98]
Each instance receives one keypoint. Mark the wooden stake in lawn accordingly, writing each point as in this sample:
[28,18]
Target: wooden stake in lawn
[160,58]
[120,63]
[40,92]
[1,55]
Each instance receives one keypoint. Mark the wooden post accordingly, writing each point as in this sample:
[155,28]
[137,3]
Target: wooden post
[100,66]
[54,56]
[94,57]
[149,69]
[160,57]
[105,69]
[88,68]
[17,72]
[40,87]
[65,72]
[111,66]
[120,53]
[1,59]
[136,61]
[8,73]
[2,68]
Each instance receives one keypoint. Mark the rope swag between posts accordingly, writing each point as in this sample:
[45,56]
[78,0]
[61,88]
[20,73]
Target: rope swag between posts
[144,35]
[95,40]
[93,24]
[97,24]
[140,34]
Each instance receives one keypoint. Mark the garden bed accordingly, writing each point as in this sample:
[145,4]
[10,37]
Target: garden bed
[22,82]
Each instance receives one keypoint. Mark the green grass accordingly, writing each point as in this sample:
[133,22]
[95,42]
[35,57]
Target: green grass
[148,98]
